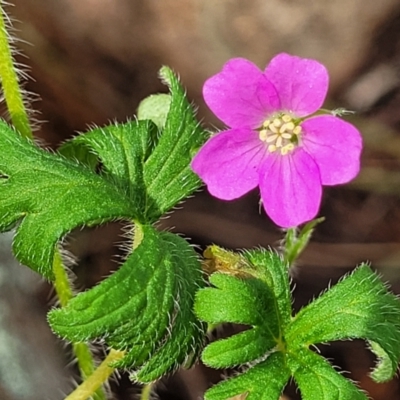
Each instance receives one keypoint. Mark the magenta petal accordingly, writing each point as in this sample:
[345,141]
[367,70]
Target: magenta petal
[301,83]
[240,95]
[335,146]
[290,188]
[228,163]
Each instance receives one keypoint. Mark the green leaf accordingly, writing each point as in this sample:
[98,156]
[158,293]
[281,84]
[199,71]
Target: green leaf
[253,289]
[145,307]
[385,366]
[265,381]
[242,302]
[261,264]
[357,307]
[317,380]
[272,270]
[141,177]
[122,150]
[155,108]
[152,166]
[49,196]
[248,301]
[167,174]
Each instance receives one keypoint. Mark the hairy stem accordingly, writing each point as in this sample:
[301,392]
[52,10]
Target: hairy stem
[296,240]
[100,376]
[19,118]
[9,79]
[61,281]
[146,390]
[137,236]
[81,350]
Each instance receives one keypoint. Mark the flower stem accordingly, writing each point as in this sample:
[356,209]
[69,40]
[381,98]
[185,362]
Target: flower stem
[100,376]
[9,79]
[81,350]
[296,240]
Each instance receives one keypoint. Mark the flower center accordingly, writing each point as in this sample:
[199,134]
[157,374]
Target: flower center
[280,133]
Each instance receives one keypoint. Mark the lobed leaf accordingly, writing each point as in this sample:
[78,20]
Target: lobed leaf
[150,162]
[357,307]
[255,292]
[250,301]
[265,381]
[141,177]
[167,173]
[48,196]
[273,271]
[145,307]
[122,150]
[317,380]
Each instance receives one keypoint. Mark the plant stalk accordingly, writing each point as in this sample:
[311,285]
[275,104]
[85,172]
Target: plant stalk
[9,80]
[100,376]
[146,391]
[81,350]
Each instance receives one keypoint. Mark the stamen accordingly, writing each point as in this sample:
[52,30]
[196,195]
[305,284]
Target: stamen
[266,123]
[286,149]
[280,133]
[263,135]
[297,130]
[290,126]
[277,122]
[273,128]
[271,138]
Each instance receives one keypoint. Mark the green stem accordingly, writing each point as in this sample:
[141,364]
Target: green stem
[296,240]
[9,79]
[146,391]
[137,236]
[93,379]
[19,118]
[81,350]
[291,246]
[100,376]
[61,281]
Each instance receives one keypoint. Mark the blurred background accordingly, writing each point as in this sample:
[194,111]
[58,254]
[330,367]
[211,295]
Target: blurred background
[92,61]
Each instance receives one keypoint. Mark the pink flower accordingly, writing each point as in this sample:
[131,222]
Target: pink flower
[275,140]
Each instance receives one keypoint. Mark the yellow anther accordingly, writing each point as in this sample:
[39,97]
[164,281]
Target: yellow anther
[277,122]
[297,130]
[266,123]
[289,126]
[263,135]
[286,149]
[273,128]
[280,133]
[271,138]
